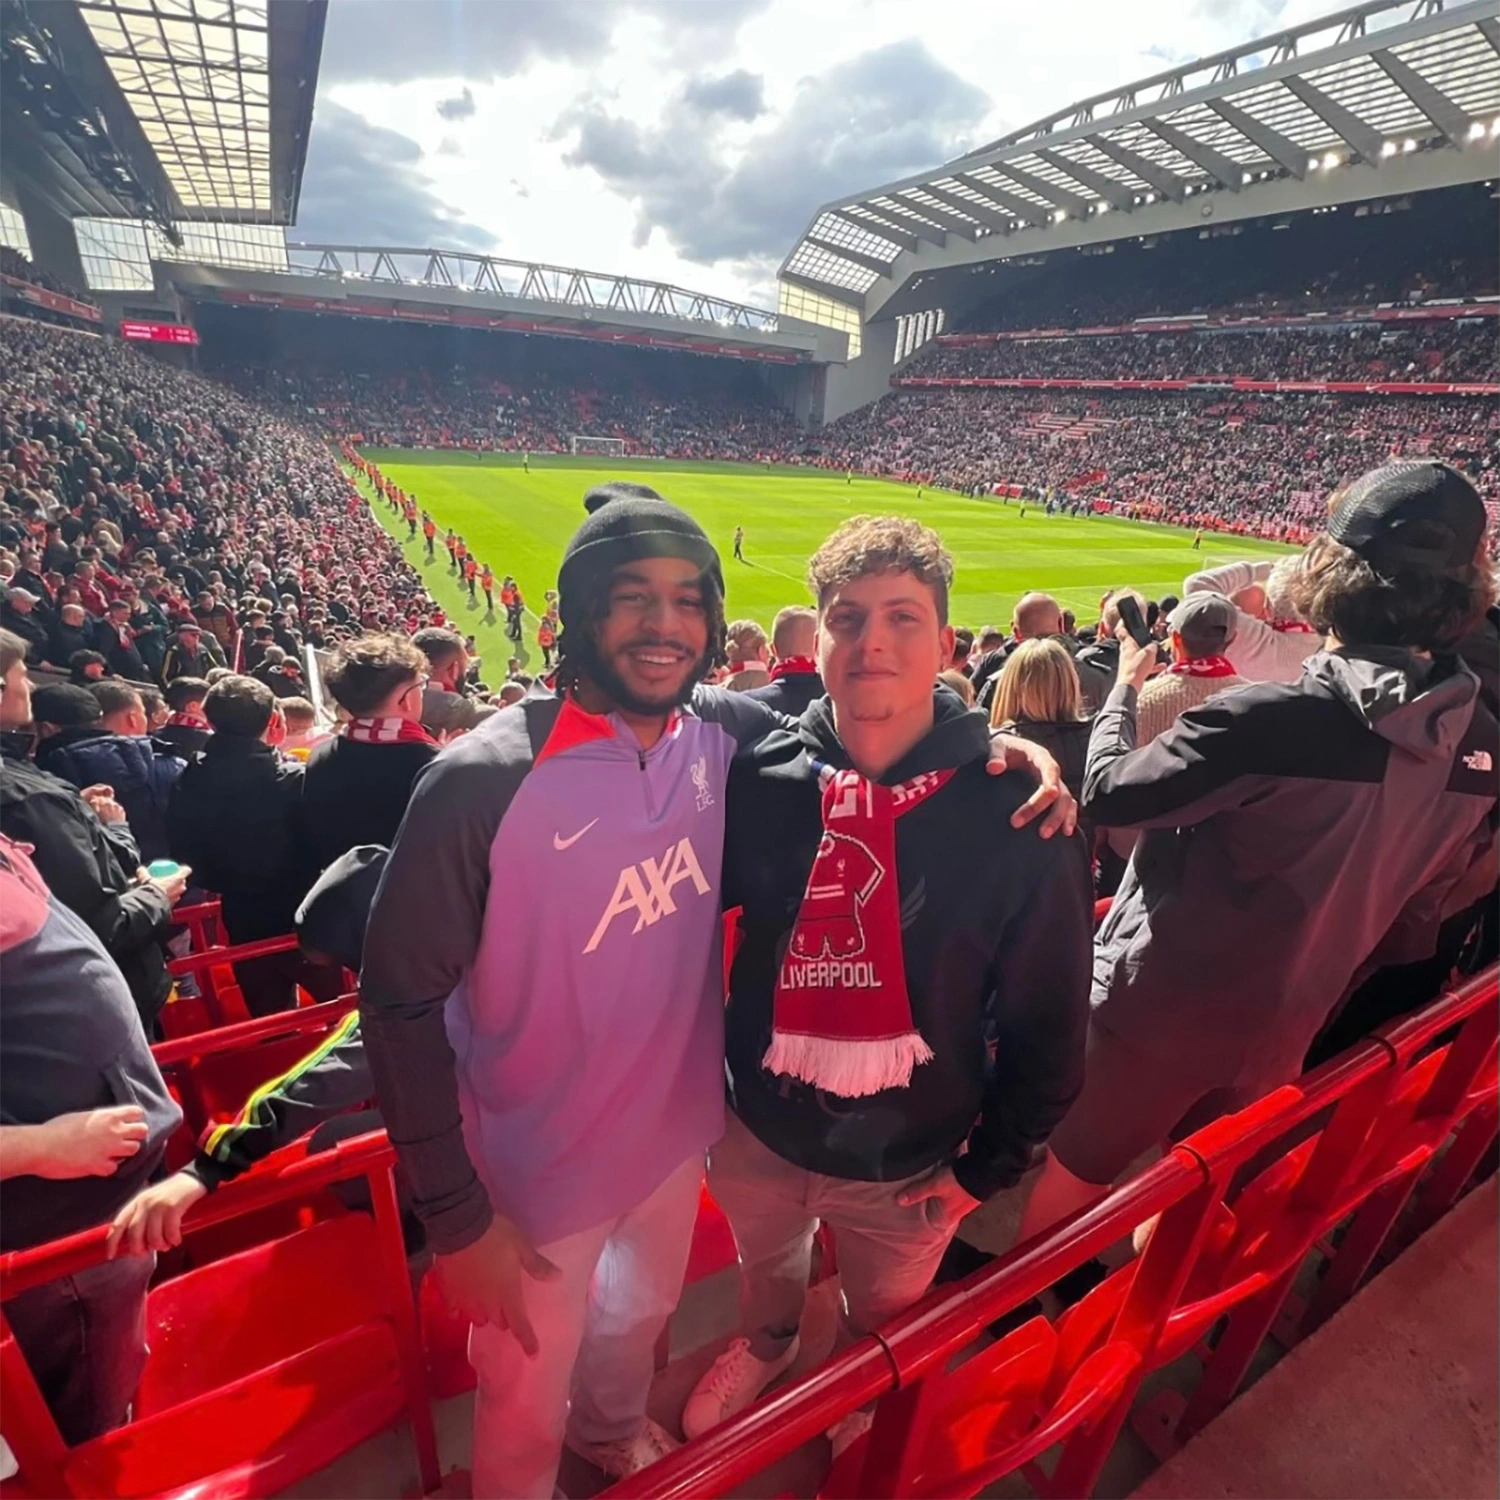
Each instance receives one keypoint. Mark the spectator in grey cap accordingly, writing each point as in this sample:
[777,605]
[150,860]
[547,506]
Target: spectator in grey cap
[1200,631]
[1294,834]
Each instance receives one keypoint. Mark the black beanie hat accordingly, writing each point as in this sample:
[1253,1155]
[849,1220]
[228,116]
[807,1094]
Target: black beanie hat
[627,522]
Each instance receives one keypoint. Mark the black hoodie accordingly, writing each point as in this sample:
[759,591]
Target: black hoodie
[996,932]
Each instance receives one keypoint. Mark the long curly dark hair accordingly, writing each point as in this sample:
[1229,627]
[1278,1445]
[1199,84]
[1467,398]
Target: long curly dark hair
[571,664]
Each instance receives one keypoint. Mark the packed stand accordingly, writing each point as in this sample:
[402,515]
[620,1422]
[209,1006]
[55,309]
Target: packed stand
[1440,351]
[705,413]
[918,1009]
[1250,465]
[1436,247]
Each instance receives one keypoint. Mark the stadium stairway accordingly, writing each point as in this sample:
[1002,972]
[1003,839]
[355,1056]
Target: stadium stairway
[1395,1395]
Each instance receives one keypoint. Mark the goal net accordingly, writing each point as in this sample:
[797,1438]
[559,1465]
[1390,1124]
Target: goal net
[581,442]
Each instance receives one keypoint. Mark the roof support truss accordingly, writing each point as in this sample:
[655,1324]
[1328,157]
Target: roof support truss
[854,257]
[985,213]
[1431,100]
[923,230]
[1113,192]
[1283,152]
[1026,212]
[1215,163]
[1346,125]
[1063,200]
[875,223]
[951,223]
[1168,184]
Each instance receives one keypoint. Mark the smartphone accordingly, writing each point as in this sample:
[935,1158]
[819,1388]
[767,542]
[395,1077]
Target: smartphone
[1134,621]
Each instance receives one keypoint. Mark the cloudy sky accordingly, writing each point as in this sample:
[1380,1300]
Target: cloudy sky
[690,140]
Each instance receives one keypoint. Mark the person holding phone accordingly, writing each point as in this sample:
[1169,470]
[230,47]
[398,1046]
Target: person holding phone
[1200,631]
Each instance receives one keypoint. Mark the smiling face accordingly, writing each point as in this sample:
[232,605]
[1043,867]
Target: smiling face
[652,645]
[881,644]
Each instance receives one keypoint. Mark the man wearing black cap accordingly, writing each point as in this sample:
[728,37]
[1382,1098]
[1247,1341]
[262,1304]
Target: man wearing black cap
[542,996]
[1292,832]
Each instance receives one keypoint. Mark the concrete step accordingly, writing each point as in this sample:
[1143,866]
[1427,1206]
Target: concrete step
[1396,1395]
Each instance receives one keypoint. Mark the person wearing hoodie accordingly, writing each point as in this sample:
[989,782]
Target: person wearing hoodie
[542,996]
[114,750]
[235,816]
[894,923]
[1290,830]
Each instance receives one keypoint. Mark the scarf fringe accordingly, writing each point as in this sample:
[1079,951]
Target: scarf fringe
[848,1068]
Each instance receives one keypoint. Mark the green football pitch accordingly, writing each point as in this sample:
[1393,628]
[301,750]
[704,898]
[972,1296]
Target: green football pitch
[519,522]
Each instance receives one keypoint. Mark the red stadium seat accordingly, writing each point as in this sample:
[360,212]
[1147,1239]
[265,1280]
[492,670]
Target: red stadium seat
[264,1367]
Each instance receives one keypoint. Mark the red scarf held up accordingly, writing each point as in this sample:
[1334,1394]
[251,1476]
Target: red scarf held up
[788,665]
[390,731]
[1205,666]
[842,1015]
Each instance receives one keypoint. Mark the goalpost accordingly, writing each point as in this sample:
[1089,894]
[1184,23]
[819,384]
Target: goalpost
[582,442]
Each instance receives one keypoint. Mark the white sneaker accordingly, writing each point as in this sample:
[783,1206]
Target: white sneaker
[847,1431]
[629,1455]
[730,1384]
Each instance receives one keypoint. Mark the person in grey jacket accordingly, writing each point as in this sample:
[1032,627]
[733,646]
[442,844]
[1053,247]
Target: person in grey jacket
[1290,831]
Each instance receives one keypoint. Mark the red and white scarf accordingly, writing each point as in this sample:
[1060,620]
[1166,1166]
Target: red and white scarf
[790,665]
[1205,666]
[188,718]
[1292,627]
[390,731]
[842,1019]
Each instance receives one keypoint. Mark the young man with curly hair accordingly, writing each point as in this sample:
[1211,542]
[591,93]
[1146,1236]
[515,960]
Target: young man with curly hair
[894,922]
[542,996]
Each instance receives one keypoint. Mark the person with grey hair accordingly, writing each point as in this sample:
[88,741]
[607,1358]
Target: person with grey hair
[1271,640]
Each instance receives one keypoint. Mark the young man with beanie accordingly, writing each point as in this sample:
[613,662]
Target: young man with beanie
[542,997]
[894,923]
[1291,830]
[1201,630]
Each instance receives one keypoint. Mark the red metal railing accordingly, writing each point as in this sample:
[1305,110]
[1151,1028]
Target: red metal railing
[1241,1205]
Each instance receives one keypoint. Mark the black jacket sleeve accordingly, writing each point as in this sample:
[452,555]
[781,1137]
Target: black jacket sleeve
[330,1080]
[77,859]
[423,933]
[1041,970]
[1193,770]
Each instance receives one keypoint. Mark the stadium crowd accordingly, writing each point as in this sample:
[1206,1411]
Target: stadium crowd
[1254,466]
[725,419]
[169,547]
[1438,350]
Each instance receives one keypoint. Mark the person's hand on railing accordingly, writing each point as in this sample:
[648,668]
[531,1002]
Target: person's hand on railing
[152,1220]
[486,1281]
[86,1143]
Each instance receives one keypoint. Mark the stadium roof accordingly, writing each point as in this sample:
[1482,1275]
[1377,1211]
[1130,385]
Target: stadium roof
[1330,110]
[467,289]
[172,110]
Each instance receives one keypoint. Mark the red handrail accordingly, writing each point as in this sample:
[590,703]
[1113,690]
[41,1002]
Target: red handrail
[187,1049]
[1185,1187]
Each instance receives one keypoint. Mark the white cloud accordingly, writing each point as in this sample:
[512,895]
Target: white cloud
[689,140]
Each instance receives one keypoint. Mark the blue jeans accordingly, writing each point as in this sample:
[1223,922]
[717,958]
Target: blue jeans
[84,1337]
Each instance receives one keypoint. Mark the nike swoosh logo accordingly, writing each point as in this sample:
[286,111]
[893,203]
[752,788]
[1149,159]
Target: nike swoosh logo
[559,842]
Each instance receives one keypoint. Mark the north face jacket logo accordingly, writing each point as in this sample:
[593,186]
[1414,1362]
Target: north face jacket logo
[646,889]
